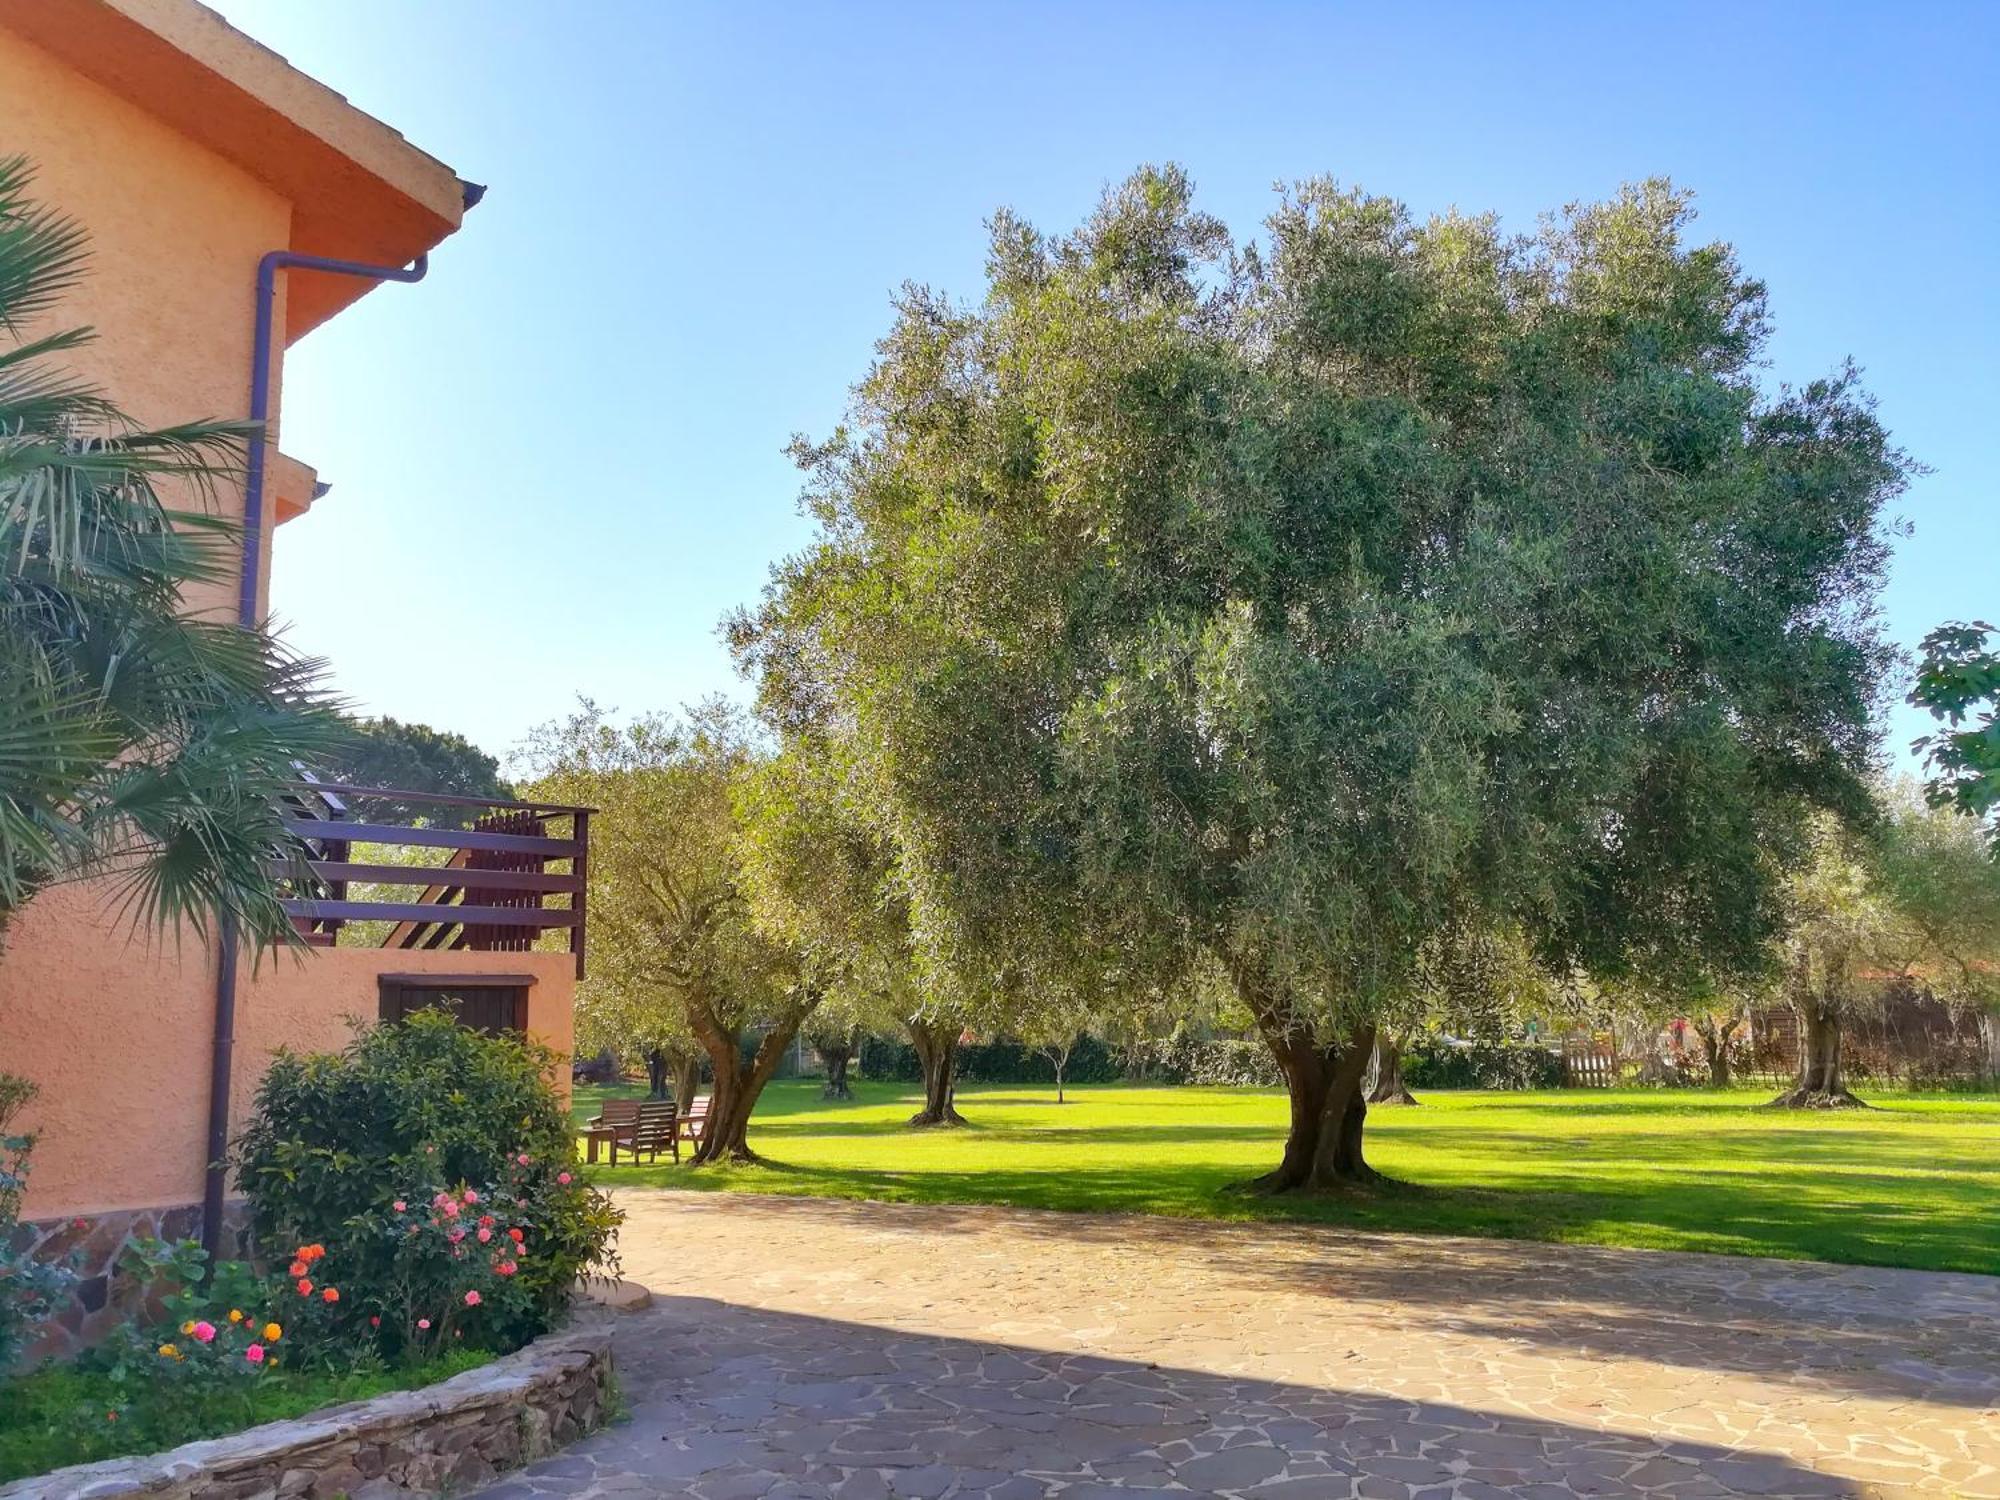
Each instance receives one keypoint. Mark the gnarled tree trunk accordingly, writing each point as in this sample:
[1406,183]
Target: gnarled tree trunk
[1329,1106]
[837,1056]
[937,1051]
[684,1069]
[737,1085]
[1716,1038]
[1820,1084]
[1385,1085]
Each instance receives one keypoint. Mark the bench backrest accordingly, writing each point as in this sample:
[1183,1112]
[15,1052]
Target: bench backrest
[620,1111]
[656,1121]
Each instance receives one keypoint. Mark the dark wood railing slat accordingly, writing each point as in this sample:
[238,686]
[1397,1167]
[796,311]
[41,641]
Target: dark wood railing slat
[418,911]
[513,880]
[429,838]
[438,799]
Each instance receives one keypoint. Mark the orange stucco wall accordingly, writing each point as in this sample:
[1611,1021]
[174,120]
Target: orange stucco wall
[180,203]
[116,1034]
[175,235]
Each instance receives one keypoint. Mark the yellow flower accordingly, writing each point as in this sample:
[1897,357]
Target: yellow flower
[236,1315]
[188,1326]
[272,1333]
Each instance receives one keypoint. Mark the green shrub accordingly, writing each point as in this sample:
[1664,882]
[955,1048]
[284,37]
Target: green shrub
[359,1152]
[1214,1062]
[30,1290]
[1434,1064]
[1002,1060]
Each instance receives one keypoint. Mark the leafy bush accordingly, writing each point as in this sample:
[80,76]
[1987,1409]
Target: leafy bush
[1219,1062]
[360,1151]
[195,1335]
[1432,1063]
[30,1290]
[1215,1062]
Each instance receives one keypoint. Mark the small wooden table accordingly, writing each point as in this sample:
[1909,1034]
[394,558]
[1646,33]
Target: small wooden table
[595,1136]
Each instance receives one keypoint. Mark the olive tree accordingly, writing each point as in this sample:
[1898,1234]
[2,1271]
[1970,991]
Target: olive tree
[1934,866]
[823,874]
[670,902]
[1271,605]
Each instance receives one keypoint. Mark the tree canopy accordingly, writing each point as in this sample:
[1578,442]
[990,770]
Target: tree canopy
[1278,605]
[1958,679]
[670,901]
[413,757]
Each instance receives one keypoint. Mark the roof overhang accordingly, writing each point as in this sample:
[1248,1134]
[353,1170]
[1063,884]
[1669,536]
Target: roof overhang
[358,190]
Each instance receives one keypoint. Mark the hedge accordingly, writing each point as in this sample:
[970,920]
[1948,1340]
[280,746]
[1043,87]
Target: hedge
[1224,1062]
[1430,1064]
[994,1062]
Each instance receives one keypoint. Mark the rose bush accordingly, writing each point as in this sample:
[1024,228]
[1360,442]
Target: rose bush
[393,1158]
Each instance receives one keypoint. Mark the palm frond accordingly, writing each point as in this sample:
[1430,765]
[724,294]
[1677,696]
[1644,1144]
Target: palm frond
[136,742]
[42,252]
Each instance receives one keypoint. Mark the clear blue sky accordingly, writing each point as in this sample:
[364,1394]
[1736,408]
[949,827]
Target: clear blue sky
[563,451]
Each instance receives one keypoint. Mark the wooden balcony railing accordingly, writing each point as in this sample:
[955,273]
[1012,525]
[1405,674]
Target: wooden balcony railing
[519,870]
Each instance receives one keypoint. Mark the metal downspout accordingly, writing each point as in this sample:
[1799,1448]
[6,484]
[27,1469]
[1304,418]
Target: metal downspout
[215,1181]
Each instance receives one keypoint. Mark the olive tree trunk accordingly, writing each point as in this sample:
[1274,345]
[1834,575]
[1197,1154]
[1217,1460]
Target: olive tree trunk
[1716,1039]
[1820,1084]
[1329,1107]
[937,1051]
[837,1056]
[738,1084]
[1385,1085]
[684,1068]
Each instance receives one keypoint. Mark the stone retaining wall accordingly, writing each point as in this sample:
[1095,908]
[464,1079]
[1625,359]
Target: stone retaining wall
[91,1247]
[449,1436]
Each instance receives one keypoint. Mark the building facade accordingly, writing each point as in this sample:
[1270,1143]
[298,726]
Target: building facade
[205,169]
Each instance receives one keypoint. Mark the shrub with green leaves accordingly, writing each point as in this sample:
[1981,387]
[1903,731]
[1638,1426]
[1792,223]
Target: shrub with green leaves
[30,1290]
[352,1150]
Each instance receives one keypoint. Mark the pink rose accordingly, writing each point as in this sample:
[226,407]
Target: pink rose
[205,1332]
[399,1205]
[423,1322]
[255,1354]
[470,1196]
[564,1178]
[522,1158]
[506,1268]
[472,1299]
[458,1234]
[485,1235]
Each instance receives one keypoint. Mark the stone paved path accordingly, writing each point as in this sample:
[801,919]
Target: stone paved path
[800,1348]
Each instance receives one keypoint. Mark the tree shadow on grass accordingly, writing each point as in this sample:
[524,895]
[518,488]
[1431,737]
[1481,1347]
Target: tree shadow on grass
[725,1398]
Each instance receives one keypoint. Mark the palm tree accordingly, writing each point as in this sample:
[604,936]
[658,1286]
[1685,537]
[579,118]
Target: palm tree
[136,742]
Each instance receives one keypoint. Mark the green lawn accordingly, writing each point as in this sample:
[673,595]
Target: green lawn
[1914,1182]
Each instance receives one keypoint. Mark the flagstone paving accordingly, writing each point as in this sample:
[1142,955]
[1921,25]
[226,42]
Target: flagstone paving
[801,1348]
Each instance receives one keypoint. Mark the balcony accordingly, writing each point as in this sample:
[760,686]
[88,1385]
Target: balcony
[422,870]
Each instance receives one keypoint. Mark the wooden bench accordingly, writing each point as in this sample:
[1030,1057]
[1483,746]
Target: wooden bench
[655,1129]
[637,1125]
[694,1122]
[614,1118]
